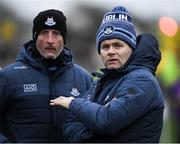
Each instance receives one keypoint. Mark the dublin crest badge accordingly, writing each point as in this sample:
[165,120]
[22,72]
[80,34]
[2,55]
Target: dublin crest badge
[50,21]
[75,92]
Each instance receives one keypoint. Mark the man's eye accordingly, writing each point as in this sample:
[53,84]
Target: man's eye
[118,45]
[44,32]
[104,47]
[56,33]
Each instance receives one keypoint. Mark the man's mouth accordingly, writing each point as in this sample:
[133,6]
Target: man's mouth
[111,60]
[50,49]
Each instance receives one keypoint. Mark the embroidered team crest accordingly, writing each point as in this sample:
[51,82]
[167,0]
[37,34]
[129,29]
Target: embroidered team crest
[74,92]
[108,30]
[30,87]
[50,21]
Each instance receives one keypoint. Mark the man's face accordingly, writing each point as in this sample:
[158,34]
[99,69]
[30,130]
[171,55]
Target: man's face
[114,53]
[49,43]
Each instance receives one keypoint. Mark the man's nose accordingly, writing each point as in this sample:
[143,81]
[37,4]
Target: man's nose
[111,50]
[50,38]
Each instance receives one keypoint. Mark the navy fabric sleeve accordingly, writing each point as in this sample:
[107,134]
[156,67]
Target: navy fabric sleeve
[75,130]
[134,97]
[3,103]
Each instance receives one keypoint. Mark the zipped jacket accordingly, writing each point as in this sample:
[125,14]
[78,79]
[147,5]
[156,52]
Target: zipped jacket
[124,105]
[26,88]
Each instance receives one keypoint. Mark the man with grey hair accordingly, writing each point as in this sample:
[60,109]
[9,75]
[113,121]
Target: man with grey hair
[44,69]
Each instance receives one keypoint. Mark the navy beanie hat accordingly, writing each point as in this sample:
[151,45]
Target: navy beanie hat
[49,19]
[117,24]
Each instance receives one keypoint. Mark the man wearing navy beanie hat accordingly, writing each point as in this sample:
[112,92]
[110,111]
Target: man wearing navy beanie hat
[117,24]
[124,103]
[44,69]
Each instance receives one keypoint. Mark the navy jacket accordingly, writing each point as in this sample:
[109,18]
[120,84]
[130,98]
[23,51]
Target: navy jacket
[125,105]
[26,88]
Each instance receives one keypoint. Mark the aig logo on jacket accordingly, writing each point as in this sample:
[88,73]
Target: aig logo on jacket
[30,87]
